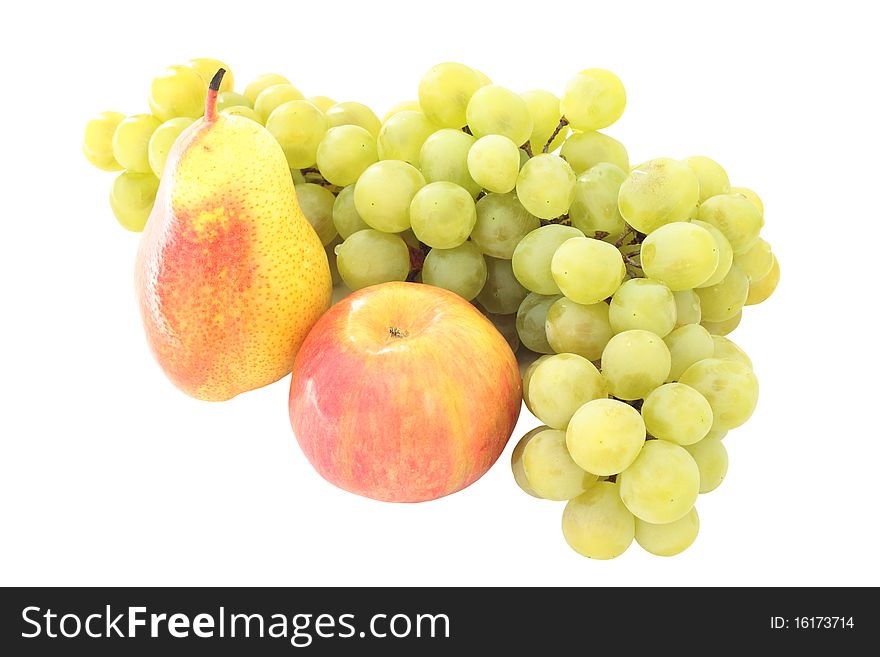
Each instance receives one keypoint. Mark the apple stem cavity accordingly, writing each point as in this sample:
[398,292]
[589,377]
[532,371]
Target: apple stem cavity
[211,99]
[397,333]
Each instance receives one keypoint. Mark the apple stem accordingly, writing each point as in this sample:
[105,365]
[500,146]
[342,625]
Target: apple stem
[211,100]
[397,333]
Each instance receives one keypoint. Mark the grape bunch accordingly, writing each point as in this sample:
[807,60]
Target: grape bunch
[624,281]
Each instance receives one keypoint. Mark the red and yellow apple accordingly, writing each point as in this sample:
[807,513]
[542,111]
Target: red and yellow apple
[404,392]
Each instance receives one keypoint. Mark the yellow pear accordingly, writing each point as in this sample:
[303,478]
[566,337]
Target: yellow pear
[230,275]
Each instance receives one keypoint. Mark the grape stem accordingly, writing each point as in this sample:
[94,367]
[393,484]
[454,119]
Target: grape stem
[620,241]
[562,123]
[527,147]
[211,99]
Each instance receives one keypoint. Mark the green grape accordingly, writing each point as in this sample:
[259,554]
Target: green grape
[131,142]
[442,214]
[669,539]
[98,140]
[687,307]
[260,84]
[402,106]
[641,303]
[484,79]
[345,153]
[243,110]
[549,470]
[162,140]
[516,461]
[370,257]
[724,300]
[545,186]
[596,524]
[560,385]
[494,110]
[736,217]
[461,269]
[316,203]
[274,97]
[527,376]
[760,291]
[493,163]
[530,322]
[677,413]
[687,344]
[178,91]
[345,215]
[534,253]
[586,270]
[662,484]
[544,110]
[576,328]
[445,91]
[231,99]
[330,252]
[725,254]
[634,363]
[605,436]
[132,197]
[757,262]
[680,255]
[299,127]
[723,328]
[711,458]
[383,193]
[593,99]
[713,178]
[502,223]
[594,208]
[444,157]
[502,293]
[350,113]
[402,136]
[584,150]
[506,326]
[749,194]
[727,349]
[658,192]
[323,103]
[730,386]
[207,68]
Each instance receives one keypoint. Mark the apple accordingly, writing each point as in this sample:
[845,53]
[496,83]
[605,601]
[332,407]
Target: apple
[404,392]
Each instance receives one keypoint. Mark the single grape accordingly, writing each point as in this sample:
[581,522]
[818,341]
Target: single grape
[725,327]
[658,192]
[662,484]
[299,127]
[724,300]
[687,344]
[641,303]
[131,142]
[680,255]
[383,193]
[494,110]
[725,254]
[677,413]
[243,110]
[584,150]
[687,307]
[461,269]
[207,68]
[132,197]
[545,186]
[402,106]
[231,99]
[370,257]
[727,349]
[730,386]
[586,270]
[605,436]
[260,84]
[402,136]
[549,470]
[544,110]
[634,363]
[442,214]
[506,325]
[749,194]
[351,113]
[323,103]
[502,293]
[502,223]
[760,291]
[596,524]
[757,262]
[712,176]
[178,91]
[162,140]
[530,322]
[445,91]
[316,203]
[711,458]
[579,329]
[444,157]
[593,99]
[594,208]
[98,140]
[516,461]
[671,538]
[274,97]
[533,255]
[345,153]
[560,385]
[493,163]
[345,215]
[527,376]
[736,217]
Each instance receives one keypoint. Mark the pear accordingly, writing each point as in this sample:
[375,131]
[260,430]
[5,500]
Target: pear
[230,275]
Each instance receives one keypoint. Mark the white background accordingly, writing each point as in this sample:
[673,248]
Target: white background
[109,475]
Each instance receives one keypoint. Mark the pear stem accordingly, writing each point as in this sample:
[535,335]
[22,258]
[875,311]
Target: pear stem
[211,100]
